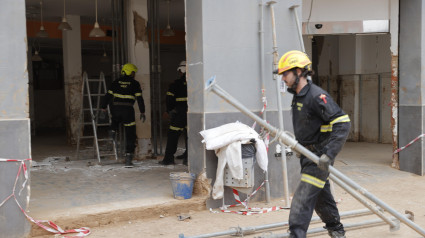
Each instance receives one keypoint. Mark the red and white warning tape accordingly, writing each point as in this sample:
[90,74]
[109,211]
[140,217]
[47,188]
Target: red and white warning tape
[82,232]
[410,143]
[249,210]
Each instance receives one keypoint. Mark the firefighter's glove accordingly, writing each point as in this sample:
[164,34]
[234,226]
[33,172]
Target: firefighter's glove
[142,117]
[324,162]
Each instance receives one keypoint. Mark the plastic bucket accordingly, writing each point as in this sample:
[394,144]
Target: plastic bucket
[182,184]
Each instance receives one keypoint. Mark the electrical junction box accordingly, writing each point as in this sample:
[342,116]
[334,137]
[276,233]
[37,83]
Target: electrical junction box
[248,175]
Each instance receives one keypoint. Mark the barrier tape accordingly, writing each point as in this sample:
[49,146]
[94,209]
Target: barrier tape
[250,211]
[413,141]
[82,232]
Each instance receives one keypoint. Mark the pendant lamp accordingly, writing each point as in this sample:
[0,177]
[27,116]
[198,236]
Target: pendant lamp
[168,31]
[36,56]
[96,31]
[42,33]
[64,25]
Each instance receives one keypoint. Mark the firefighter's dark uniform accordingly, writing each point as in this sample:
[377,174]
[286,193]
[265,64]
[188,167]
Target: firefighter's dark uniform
[121,96]
[321,126]
[177,109]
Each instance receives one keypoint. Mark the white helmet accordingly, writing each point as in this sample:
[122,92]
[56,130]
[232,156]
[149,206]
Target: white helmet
[182,67]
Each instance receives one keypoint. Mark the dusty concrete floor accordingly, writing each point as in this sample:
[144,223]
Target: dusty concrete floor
[115,202]
[71,192]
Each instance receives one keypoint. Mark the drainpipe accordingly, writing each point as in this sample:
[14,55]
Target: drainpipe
[263,88]
[158,81]
[113,42]
[279,106]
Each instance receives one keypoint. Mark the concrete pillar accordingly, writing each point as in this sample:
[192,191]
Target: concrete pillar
[394,31]
[14,118]
[72,76]
[222,39]
[138,54]
[411,85]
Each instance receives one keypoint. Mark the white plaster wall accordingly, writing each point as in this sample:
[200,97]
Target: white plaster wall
[345,10]
[374,54]
[231,51]
[329,56]
[138,54]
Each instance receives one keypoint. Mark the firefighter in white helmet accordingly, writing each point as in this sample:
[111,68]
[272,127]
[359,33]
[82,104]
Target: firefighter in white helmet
[177,111]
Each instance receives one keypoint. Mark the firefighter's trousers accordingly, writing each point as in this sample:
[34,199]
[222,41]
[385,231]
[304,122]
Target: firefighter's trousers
[125,115]
[178,123]
[313,192]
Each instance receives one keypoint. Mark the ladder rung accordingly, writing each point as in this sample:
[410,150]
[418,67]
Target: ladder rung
[105,154]
[108,139]
[86,137]
[103,124]
[94,109]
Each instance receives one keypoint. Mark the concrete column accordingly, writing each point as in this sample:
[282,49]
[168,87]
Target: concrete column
[411,85]
[222,40]
[72,76]
[394,25]
[138,54]
[14,118]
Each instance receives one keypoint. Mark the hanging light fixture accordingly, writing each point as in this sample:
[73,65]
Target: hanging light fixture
[96,31]
[168,31]
[64,26]
[36,56]
[42,33]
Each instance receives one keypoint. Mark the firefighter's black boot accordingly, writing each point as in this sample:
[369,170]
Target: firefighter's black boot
[128,159]
[336,232]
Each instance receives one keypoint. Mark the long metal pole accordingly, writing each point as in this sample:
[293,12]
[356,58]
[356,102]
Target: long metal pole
[113,43]
[158,80]
[346,226]
[394,226]
[300,35]
[252,229]
[288,140]
[279,106]
[263,90]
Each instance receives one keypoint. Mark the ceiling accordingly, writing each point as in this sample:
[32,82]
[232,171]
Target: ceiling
[53,11]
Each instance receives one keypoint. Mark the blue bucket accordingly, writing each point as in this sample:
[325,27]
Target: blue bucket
[182,184]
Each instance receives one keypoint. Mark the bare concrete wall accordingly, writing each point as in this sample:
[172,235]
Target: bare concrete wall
[14,117]
[223,39]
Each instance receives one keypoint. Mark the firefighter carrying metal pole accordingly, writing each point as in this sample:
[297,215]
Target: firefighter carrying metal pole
[290,141]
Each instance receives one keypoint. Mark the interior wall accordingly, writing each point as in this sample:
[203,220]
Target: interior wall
[49,98]
[350,65]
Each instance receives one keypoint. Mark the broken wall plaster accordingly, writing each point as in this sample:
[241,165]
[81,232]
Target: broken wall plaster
[140,32]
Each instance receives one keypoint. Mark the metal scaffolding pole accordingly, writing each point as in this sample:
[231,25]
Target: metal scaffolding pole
[241,231]
[367,223]
[288,140]
[279,106]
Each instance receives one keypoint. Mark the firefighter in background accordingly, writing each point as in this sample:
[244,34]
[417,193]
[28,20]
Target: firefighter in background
[121,95]
[321,126]
[177,110]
